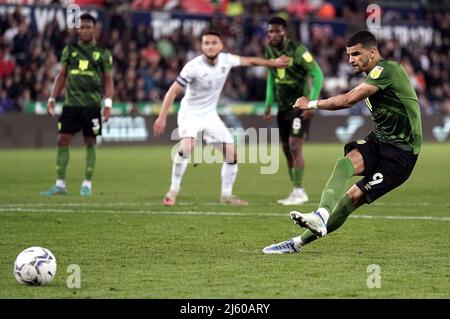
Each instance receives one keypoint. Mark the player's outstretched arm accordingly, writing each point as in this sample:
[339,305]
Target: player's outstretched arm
[108,89]
[160,124]
[58,84]
[280,62]
[341,101]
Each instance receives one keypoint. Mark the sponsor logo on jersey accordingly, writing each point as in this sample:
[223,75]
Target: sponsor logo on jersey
[83,64]
[96,55]
[307,56]
[376,72]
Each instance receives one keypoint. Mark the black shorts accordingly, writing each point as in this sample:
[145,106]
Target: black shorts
[291,124]
[75,118]
[387,166]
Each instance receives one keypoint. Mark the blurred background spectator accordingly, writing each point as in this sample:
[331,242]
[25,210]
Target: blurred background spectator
[145,64]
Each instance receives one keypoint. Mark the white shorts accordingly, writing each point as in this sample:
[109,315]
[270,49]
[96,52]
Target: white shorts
[210,125]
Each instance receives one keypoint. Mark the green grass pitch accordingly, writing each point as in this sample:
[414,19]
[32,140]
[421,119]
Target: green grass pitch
[128,245]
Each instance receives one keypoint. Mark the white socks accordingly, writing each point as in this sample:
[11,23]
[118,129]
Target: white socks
[298,191]
[87,183]
[178,168]
[298,241]
[228,173]
[60,183]
[323,212]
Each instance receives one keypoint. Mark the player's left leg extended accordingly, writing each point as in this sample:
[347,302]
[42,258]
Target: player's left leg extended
[320,223]
[345,168]
[228,174]
[392,168]
[345,206]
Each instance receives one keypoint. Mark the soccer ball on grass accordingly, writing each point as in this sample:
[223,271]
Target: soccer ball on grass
[35,266]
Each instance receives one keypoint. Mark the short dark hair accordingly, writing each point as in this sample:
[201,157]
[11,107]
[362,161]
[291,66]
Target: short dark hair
[88,16]
[278,21]
[211,32]
[366,38]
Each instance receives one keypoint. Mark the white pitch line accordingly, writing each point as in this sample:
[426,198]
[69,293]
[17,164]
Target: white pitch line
[196,213]
[115,204]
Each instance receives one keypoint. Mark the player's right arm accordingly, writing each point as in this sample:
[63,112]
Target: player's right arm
[59,82]
[338,102]
[160,124]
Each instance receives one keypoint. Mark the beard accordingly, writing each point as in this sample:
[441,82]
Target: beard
[86,38]
[361,68]
[211,56]
[275,43]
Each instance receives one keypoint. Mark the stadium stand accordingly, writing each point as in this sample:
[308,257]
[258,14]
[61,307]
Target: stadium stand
[147,63]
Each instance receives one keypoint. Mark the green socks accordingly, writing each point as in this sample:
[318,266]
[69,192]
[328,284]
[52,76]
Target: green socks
[62,159]
[297,176]
[343,209]
[336,185]
[334,198]
[90,162]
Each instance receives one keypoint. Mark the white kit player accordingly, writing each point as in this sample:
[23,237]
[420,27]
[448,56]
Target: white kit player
[203,78]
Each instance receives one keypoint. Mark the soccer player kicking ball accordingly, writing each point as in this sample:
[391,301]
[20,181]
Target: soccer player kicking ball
[386,157]
[87,68]
[204,77]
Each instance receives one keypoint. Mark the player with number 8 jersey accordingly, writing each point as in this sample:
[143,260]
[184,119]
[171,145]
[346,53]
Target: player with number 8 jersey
[285,85]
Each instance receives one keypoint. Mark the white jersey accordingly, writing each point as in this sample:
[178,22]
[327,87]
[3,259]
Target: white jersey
[204,83]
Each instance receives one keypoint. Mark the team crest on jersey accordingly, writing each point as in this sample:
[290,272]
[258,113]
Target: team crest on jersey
[96,55]
[74,54]
[307,56]
[223,69]
[376,72]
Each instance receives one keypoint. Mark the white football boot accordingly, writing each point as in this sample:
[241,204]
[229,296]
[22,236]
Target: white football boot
[297,197]
[285,247]
[313,221]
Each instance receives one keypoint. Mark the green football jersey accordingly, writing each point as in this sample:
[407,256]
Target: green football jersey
[85,67]
[291,82]
[395,108]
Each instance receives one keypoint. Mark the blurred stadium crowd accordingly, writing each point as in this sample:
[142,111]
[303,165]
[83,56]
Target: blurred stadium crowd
[145,66]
